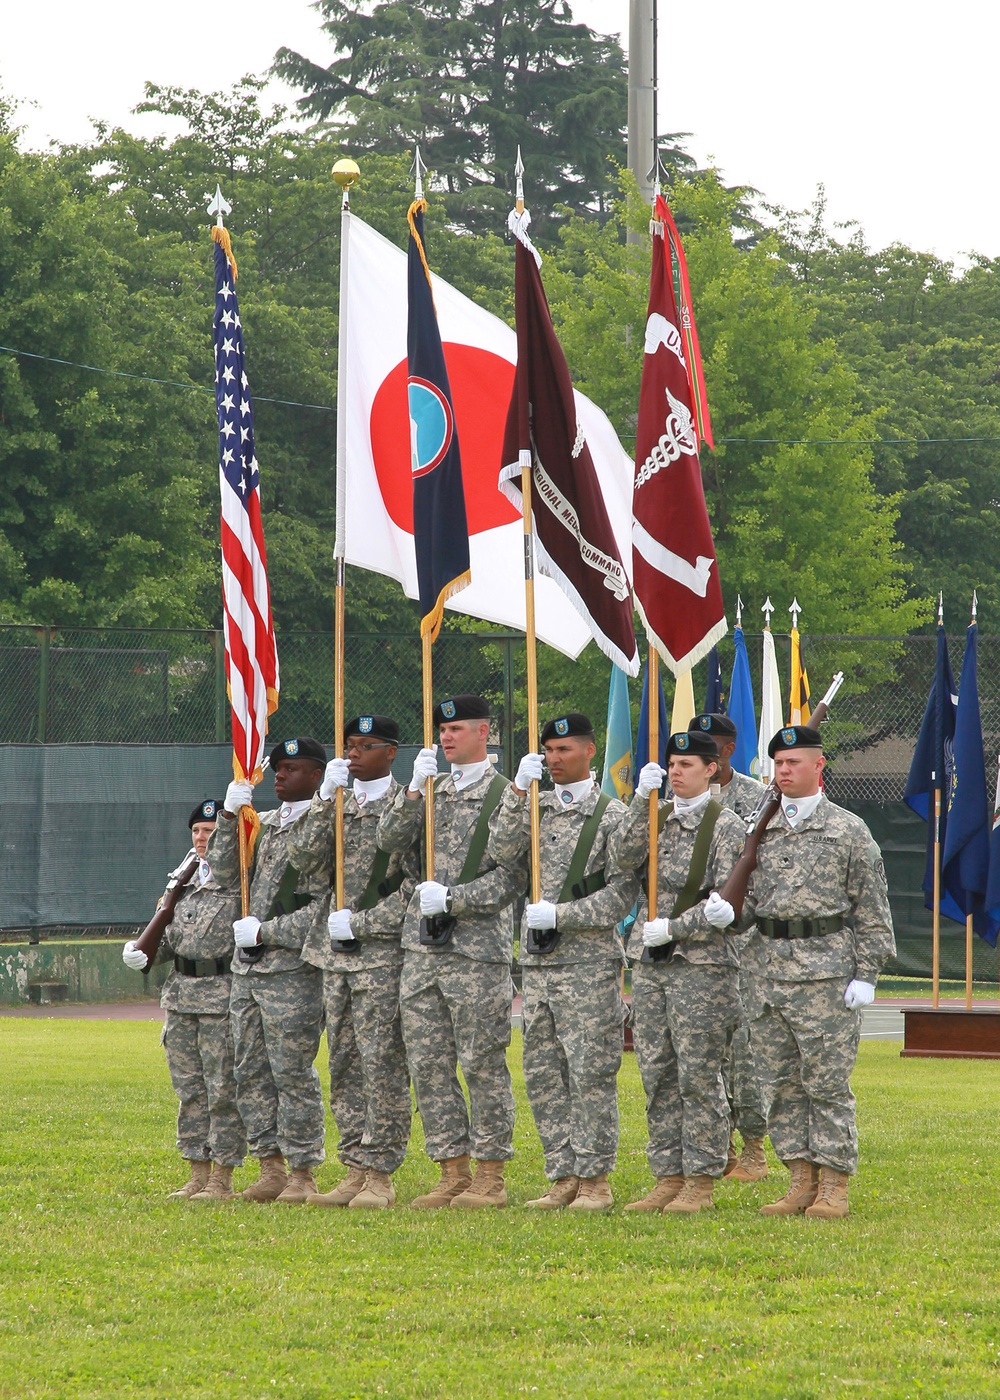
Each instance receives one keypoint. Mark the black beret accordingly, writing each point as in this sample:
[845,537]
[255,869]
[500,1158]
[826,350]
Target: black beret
[569,726]
[461,707]
[310,749]
[207,811]
[795,736]
[373,727]
[693,742]
[721,725]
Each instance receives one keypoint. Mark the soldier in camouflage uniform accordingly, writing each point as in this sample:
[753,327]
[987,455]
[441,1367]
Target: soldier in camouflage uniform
[277,999]
[458,936]
[358,948]
[685,1001]
[196,1032]
[742,795]
[572,1008]
[823,933]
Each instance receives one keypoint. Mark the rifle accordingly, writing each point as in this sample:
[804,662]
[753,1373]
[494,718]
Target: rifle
[148,941]
[735,888]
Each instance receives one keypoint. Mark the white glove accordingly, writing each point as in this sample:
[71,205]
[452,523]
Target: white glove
[529,771]
[858,994]
[338,771]
[133,958]
[433,898]
[656,932]
[718,911]
[339,926]
[651,777]
[541,915]
[238,795]
[425,765]
[246,931]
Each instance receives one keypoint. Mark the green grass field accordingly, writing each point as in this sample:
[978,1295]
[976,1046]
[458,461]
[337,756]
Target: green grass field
[105,1290]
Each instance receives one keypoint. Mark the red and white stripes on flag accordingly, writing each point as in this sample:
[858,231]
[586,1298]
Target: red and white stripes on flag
[251,656]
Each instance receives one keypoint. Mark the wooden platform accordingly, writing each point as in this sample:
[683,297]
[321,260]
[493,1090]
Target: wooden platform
[951,1032]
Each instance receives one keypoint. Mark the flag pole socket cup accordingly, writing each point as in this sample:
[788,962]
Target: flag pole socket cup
[346,173]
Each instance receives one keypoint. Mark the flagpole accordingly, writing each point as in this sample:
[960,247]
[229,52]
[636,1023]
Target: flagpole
[936,912]
[653,707]
[529,616]
[968,917]
[346,174]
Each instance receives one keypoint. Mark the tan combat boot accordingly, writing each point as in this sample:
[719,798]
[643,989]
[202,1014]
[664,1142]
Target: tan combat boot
[197,1181]
[732,1156]
[272,1180]
[487,1189]
[695,1195]
[831,1198]
[379,1192]
[301,1185]
[666,1188]
[752,1165]
[801,1189]
[561,1193]
[456,1177]
[344,1191]
[220,1185]
[594,1194]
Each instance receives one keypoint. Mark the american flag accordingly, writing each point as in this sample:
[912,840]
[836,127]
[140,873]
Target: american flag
[251,656]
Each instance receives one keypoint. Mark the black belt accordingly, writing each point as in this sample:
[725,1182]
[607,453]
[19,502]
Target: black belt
[202,967]
[801,928]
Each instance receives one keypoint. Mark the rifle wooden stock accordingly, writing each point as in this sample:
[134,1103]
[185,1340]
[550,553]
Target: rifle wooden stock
[149,940]
[734,891]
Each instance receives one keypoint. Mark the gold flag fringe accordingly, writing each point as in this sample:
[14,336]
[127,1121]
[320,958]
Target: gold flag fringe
[221,236]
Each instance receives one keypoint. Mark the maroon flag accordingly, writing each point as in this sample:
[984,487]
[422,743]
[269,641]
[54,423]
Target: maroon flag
[675,573]
[574,541]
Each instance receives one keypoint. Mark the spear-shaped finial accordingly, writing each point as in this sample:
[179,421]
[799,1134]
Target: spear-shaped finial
[519,187]
[975,604]
[739,611]
[657,173]
[418,169]
[795,610]
[218,206]
[941,609]
[767,608]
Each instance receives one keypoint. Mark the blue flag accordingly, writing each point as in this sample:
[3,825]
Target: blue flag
[741,710]
[931,766]
[965,857]
[993,883]
[642,756]
[617,780]
[440,529]
[715,702]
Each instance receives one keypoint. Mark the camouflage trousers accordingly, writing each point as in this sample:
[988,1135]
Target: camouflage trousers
[573,1017]
[200,1060]
[457,1012]
[805,1044]
[369,1082]
[746,1103]
[277,1023]
[683,1014]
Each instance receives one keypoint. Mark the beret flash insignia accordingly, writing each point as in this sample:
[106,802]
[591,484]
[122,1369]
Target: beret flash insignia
[365,724]
[562,727]
[208,810]
[291,747]
[705,722]
[682,741]
[448,709]
[788,736]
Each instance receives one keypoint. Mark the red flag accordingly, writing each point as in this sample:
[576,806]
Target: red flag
[574,540]
[675,573]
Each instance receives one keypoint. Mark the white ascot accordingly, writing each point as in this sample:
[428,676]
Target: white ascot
[796,809]
[465,774]
[571,794]
[290,812]
[691,804]
[371,790]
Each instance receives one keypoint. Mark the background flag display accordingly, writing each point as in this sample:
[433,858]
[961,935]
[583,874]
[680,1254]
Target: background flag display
[676,577]
[480,352]
[993,883]
[440,532]
[683,709]
[965,857]
[251,656]
[741,707]
[798,698]
[771,718]
[642,734]
[574,541]
[715,703]
[930,770]
[617,779]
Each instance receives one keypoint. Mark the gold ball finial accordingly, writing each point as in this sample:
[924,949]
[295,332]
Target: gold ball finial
[346,173]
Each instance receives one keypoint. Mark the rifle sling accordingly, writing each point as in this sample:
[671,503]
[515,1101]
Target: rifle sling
[481,834]
[693,890]
[378,886]
[576,886]
[287,899]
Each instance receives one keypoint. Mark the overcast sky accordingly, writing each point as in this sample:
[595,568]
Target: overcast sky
[891,105]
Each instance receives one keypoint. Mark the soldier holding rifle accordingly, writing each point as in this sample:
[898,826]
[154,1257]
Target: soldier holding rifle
[194,926]
[455,988]
[571,956]
[685,995]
